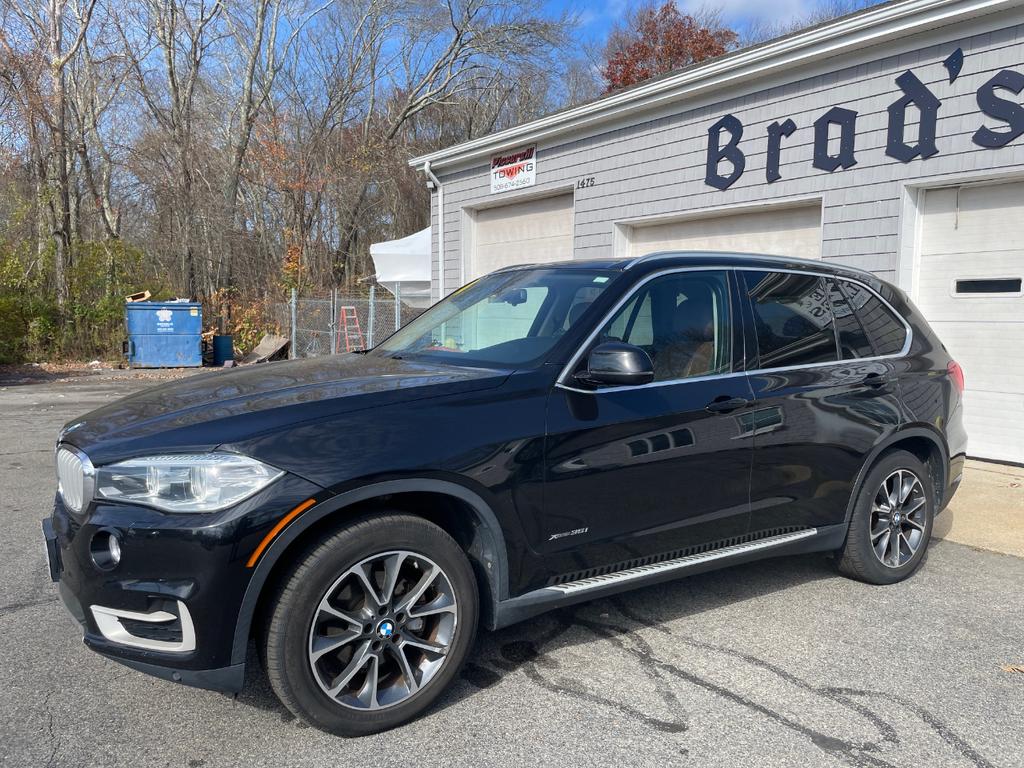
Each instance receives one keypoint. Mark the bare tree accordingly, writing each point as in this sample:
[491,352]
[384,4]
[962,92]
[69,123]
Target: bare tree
[255,29]
[36,40]
[179,35]
[442,58]
[97,77]
[223,148]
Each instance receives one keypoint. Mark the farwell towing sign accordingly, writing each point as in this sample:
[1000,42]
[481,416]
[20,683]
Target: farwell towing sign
[514,170]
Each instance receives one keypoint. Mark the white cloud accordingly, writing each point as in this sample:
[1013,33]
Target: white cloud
[616,9]
[605,12]
[741,12]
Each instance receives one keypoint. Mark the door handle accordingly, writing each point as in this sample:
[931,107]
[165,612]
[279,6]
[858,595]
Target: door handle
[724,404]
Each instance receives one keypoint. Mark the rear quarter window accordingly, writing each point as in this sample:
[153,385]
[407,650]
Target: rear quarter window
[885,330]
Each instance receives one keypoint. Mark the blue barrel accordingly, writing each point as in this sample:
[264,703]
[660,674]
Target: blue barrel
[164,334]
[223,349]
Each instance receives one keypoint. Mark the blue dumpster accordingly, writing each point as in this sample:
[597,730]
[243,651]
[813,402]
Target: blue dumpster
[164,334]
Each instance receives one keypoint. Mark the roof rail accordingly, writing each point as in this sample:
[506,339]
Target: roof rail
[768,257]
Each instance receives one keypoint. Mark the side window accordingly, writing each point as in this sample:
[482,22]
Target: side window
[853,341]
[792,319]
[884,330]
[683,321]
[633,323]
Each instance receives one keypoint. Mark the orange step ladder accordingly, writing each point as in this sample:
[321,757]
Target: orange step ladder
[349,330]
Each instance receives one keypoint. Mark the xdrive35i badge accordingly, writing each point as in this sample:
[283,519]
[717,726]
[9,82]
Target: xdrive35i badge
[564,534]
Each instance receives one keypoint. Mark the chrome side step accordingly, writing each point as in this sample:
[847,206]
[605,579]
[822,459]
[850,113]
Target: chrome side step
[678,564]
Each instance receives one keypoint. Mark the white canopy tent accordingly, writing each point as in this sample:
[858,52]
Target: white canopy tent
[403,267]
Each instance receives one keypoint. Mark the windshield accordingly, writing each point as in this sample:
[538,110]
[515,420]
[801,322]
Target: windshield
[506,318]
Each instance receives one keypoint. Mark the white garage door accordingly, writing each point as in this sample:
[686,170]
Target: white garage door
[968,285]
[790,231]
[521,233]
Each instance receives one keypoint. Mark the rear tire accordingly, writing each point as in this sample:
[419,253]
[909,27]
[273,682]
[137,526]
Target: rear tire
[891,522]
[371,625]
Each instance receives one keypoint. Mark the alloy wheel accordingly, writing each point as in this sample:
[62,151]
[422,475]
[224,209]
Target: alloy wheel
[382,631]
[898,518]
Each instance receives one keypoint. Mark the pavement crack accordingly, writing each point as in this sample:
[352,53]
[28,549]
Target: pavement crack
[54,739]
[526,655]
[860,753]
[942,729]
[568,687]
[7,610]
[533,662]
[645,654]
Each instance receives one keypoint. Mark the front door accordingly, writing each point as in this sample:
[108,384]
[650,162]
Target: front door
[658,469]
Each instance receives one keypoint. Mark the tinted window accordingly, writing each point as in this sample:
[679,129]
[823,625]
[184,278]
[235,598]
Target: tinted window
[633,323]
[853,341]
[885,331]
[683,321]
[792,319]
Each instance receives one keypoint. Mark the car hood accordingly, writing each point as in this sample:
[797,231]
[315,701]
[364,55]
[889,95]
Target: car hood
[203,411]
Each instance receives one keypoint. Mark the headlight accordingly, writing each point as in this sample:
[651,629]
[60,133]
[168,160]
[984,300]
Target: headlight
[185,483]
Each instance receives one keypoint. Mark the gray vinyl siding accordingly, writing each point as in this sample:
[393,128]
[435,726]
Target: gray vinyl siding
[654,166]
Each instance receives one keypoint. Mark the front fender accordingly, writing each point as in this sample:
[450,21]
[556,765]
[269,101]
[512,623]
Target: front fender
[491,545]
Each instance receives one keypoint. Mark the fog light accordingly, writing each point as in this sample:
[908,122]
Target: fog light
[105,549]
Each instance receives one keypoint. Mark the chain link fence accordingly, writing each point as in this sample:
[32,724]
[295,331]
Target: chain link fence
[340,322]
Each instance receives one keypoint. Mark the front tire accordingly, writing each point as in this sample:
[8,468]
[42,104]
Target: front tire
[891,522]
[371,625]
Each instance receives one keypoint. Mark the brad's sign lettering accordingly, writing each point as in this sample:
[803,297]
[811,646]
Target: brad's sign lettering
[726,161]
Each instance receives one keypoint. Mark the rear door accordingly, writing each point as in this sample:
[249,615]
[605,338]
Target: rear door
[652,470]
[823,396]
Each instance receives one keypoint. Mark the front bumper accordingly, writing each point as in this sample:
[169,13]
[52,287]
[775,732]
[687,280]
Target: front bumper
[170,606]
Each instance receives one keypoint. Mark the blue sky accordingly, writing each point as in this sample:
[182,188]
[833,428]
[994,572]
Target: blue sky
[598,15]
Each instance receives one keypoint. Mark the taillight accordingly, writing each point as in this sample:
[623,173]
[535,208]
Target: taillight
[956,373]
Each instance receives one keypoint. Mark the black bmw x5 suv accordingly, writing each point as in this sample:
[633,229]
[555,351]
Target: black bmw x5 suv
[546,435]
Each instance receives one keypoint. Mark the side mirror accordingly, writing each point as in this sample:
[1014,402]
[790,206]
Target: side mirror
[617,364]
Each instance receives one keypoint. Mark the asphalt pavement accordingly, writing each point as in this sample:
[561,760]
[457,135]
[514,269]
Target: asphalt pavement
[777,663]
